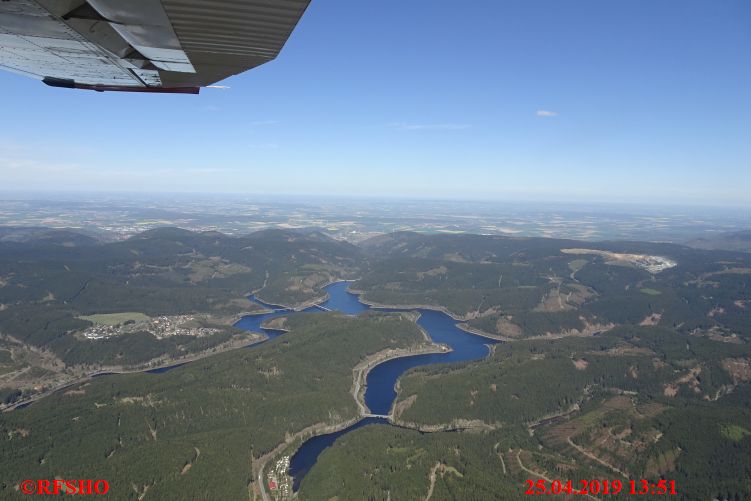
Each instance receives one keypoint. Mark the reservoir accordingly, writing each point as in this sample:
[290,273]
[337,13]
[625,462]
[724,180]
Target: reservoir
[380,392]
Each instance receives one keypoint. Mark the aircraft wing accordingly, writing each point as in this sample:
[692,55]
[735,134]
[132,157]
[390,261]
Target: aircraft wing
[142,45]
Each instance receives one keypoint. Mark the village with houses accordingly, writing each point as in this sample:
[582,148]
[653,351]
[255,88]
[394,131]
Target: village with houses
[107,326]
[278,480]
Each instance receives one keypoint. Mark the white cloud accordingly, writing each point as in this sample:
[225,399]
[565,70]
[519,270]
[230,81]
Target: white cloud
[546,113]
[438,126]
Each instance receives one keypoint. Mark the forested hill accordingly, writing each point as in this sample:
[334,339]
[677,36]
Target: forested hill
[737,240]
[505,286]
[53,281]
[495,248]
[58,267]
[39,236]
[615,353]
[528,287]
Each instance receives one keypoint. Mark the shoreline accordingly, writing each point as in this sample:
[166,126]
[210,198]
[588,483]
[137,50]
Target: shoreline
[361,371]
[239,316]
[259,337]
[317,302]
[259,465]
[478,332]
[252,339]
[298,307]
[359,385]
[461,322]
[456,425]
[381,306]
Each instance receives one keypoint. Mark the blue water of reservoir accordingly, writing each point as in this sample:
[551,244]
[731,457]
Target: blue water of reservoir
[253,323]
[380,393]
[340,299]
[306,456]
[162,370]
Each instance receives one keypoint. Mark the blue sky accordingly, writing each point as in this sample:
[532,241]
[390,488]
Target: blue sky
[629,101]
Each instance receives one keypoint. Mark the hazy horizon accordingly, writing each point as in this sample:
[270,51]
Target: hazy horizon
[544,203]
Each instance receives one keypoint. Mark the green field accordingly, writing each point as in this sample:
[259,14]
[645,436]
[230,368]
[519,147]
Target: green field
[734,432]
[116,318]
[650,292]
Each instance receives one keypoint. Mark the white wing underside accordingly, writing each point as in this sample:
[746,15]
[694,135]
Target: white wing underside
[142,45]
